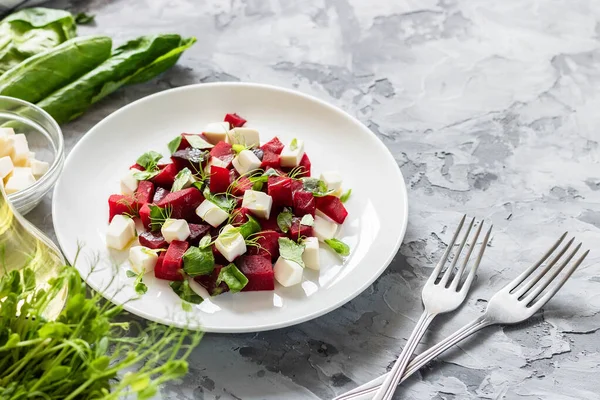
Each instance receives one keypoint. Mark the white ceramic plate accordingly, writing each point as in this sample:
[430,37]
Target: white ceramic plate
[334,141]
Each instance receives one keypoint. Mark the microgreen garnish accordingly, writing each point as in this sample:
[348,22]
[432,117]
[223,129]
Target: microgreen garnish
[296,172]
[338,246]
[182,179]
[197,142]
[198,261]
[185,292]
[344,198]
[284,220]
[258,181]
[159,215]
[316,186]
[224,201]
[307,220]
[233,277]
[291,251]
[139,286]
[250,227]
[235,183]
[128,202]
[174,144]
[294,144]
[148,161]
[205,242]
[253,240]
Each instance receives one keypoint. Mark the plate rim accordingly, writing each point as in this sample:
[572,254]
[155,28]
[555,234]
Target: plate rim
[250,85]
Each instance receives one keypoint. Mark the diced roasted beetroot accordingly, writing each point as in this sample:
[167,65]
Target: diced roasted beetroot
[221,149]
[153,240]
[274,146]
[304,203]
[268,245]
[137,166]
[197,232]
[270,160]
[305,165]
[241,185]
[279,188]
[166,176]
[259,272]
[160,194]
[184,143]
[296,185]
[190,158]
[333,208]
[171,267]
[159,262]
[297,230]
[240,216]
[219,179]
[145,215]
[235,121]
[183,202]
[144,193]
[271,223]
[209,282]
[219,259]
[120,204]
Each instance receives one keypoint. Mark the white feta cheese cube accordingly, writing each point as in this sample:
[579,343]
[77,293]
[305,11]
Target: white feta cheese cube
[6,145]
[245,162]
[20,153]
[216,162]
[310,256]
[324,228]
[216,132]
[128,182]
[211,213]
[20,179]
[332,179]
[142,259]
[245,136]
[38,168]
[175,229]
[230,243]
[7,131]
[292,154]
[287,273]
[258,203]
[6,166]
[120,232]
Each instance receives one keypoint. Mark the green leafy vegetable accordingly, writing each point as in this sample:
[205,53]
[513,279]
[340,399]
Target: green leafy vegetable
[139,286]
[185,292]
[294,144]
[238,148]
[205,241]
[233,277]
[284,220]
[198,261]
[316,186]
[258,181]
[158,216]
[149,159]
[338,246]
[223,201]
[250,227]
[307,220]
[134,62]
[291,250]
[84,19]
[174,144]
[182,179]
[42,74]
[31,31]
[197,142]
[344,198]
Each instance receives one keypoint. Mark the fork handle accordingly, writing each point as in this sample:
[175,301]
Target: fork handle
[366,391]
[387,389]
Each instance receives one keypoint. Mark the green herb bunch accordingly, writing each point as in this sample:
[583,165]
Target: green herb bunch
[86,353]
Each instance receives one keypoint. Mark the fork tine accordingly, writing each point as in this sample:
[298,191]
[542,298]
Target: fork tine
[449,270]
[459,273]
[539,288]
[531,283]
[438,268]
[519,279]
[556,287]
[471,275]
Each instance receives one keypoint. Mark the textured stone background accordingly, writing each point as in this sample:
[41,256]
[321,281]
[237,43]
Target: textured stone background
[489,107]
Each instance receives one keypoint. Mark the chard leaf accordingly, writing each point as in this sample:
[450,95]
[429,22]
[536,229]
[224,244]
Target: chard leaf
[284,220]
[233,277]
[185,292]
[291,250]
[198,261]
[338,246]
[250,227]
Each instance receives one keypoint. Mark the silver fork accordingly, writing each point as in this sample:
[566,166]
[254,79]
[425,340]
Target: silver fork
[440,295]
[515,302]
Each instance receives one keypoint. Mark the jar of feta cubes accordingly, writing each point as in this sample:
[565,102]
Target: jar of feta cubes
[31,152]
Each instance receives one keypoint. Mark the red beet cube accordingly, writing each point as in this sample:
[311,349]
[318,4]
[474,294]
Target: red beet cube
[268,245]
[166,176]
[153,240]
[221,149]
[209,282]
[197,232]
[296,185]
[190,158]
[184,143]
[271,223]
[160,194]
[120,204]
[279,188]
[305,165]
[270,160]
[219,259]
[159,262]
[240,216]
[274,146]
[137,166]
[259,272]
[171,267]
[297,230]
[304,203]
[219,179]
[183,202]
[144,193]
[241,185]
[333,208]
[145,215]
[235,121]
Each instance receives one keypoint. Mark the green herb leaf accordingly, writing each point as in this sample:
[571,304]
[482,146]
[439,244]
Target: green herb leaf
[291,250]
[130,274]
[316,186]
[174,144]
[238,148]
[344,198]
[149,159]
[284,220]
[250,227]
[158,216]
[84,19]
[197,261]
[187,307]
[185,292]
[140,288]
[294,144]
[338,246]
[197,142]
[233,277]
[205,241]
[182,179]
[307,220]
[224,201]
[145,175]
